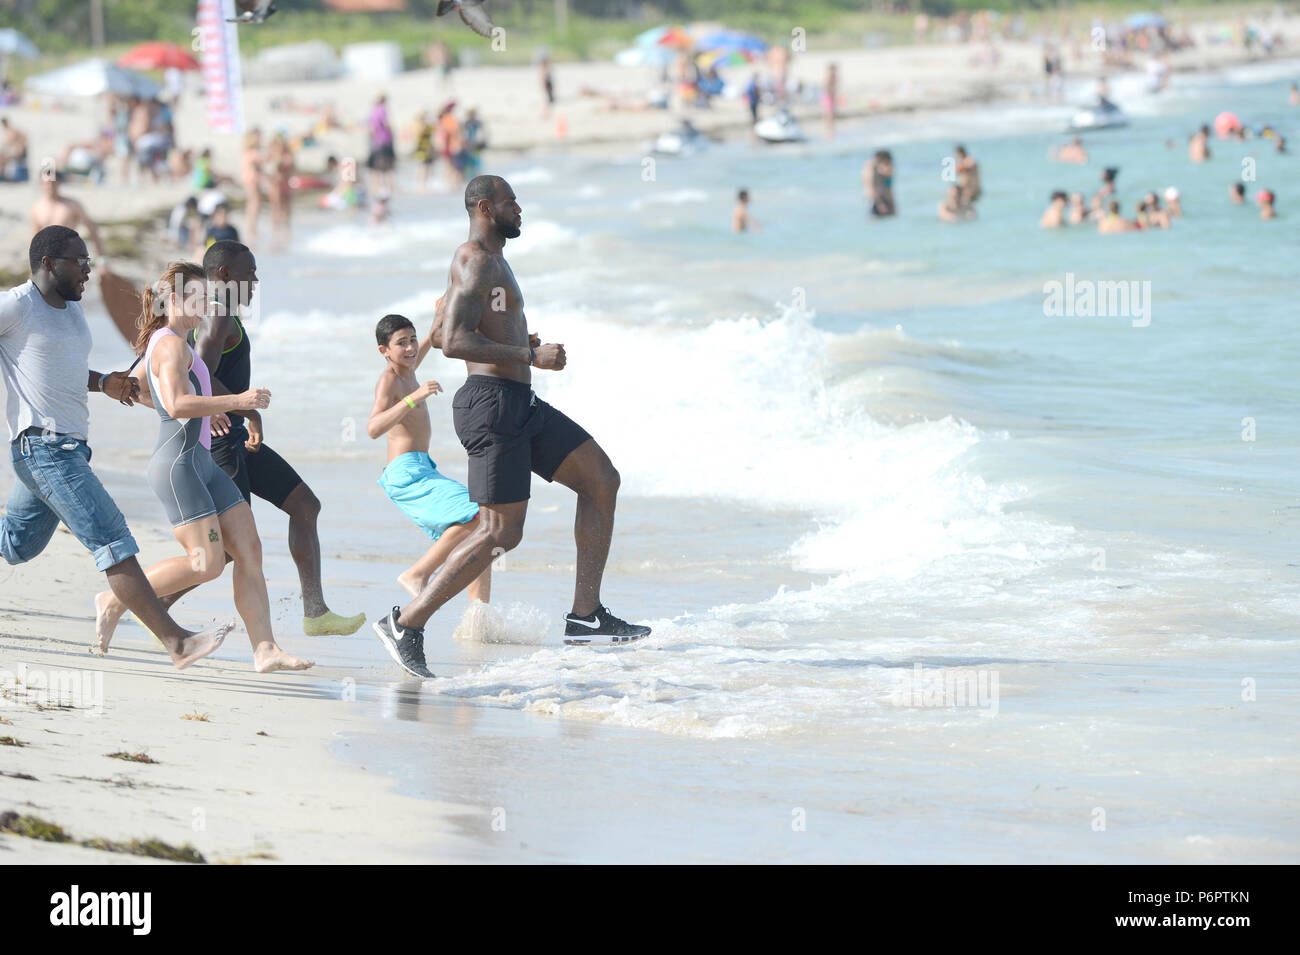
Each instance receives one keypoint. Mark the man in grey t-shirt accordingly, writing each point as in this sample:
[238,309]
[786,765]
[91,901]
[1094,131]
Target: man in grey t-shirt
[44,359]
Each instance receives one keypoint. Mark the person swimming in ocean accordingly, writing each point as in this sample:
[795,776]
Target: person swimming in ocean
[1054,216]
[878,183]
[439,506]
[953,207]
[1265,199]
[1112,222]
[741,220]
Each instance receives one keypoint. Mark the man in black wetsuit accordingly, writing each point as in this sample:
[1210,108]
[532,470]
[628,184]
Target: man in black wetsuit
[254,466]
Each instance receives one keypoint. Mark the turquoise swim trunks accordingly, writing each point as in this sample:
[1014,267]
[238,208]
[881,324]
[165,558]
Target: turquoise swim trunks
[433,501]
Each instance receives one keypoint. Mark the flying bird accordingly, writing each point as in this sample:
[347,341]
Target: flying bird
[253,11]
[471,12]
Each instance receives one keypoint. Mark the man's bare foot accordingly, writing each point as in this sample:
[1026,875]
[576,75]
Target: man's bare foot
[268,658]
[108,611]
[198,645]
[411,582]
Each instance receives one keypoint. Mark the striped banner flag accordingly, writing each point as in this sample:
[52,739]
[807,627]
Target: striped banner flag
[218,45]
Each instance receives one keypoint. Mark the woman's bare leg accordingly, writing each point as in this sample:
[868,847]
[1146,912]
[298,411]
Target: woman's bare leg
[251,600]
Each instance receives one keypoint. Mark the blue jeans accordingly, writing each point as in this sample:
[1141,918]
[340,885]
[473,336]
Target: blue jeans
[56,484]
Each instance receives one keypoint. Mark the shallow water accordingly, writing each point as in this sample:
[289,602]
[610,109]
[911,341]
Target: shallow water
[848,448]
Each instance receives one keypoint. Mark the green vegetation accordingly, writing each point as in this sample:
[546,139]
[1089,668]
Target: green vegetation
[11,741]
[133,757]
[33,827]
[596,29]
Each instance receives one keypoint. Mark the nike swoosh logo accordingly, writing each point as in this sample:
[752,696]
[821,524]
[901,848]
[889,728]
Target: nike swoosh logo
[590,626]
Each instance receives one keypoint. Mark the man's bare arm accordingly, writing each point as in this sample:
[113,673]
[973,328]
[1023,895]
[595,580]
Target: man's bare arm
[434,338]
[461,339]
[210,342]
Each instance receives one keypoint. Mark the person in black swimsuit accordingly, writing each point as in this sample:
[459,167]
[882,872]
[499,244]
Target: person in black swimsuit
[256,469]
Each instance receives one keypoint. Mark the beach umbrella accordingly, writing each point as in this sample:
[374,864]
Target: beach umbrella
[1140,21]
[157,56]
[717,58]
[13,43]
[670,34]
[732,40]
[676,39]
[645,56]
[91,78]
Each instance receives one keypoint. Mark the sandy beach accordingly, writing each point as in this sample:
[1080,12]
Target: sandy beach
[252,782]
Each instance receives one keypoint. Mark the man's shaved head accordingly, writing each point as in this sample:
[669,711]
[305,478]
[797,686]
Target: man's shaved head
[479,188]
[503,208]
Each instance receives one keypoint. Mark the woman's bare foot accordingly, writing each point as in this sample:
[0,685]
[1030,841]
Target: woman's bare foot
[267,658]
[411,582]
[108,611]
[198,645]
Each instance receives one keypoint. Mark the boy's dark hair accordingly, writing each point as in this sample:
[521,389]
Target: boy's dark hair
[390,324]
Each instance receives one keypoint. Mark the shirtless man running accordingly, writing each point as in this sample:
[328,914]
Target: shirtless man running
[509,432]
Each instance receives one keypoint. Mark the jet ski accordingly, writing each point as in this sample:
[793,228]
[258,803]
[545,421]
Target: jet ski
[780,128]
[685,140]
[1104,115]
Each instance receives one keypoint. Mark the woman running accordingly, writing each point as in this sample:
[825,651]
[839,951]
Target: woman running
[209,516]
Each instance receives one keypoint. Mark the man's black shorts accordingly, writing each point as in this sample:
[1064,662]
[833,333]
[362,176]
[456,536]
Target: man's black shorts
[263,473]
[509,432]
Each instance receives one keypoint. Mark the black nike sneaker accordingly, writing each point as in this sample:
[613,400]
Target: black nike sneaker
[404,644]
[601,627]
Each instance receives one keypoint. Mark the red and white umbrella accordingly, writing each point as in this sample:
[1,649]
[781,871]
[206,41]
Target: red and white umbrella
[158,56]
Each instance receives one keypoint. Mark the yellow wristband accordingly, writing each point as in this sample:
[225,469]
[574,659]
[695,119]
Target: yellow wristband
[409,402]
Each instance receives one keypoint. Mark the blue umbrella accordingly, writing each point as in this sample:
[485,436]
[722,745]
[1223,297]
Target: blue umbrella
[1140,21]
[13,43]
[732,40]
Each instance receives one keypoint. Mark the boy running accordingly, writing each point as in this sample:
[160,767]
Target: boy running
[438,505]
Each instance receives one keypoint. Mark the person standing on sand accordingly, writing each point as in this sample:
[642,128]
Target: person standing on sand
[252,179]
[830,97]
[509,432]
[13,151]
[438,505]
[207,513]
[44,349]
[279,171]
[238,450]
[382,160]
[548,86]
